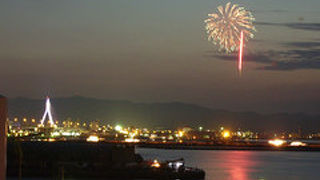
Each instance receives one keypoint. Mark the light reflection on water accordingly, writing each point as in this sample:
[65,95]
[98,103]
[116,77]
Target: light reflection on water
[242,165]
[238,164]
[245,165]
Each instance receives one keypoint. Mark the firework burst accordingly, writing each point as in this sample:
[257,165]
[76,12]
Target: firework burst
[224,27]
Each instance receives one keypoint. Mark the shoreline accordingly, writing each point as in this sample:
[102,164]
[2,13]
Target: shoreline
[258,146]
[231,147]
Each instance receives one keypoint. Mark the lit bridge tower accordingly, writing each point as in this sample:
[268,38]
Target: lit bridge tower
[47,112]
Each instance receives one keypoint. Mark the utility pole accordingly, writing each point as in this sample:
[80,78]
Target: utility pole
[3,137]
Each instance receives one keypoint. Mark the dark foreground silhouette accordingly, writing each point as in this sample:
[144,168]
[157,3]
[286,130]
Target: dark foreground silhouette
[78,159]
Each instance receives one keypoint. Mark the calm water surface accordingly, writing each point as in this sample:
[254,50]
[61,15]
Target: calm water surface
[245,165]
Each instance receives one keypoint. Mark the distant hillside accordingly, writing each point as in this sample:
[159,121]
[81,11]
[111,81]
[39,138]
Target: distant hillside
[169,115]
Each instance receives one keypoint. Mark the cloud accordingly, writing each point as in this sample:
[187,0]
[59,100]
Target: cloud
[268,24]
[300,26]
[305,26]
[270,11]
[295,59]
[306,57]
[289,66]
[303,44]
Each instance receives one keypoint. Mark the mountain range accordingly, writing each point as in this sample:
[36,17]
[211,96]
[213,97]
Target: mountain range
[160,115]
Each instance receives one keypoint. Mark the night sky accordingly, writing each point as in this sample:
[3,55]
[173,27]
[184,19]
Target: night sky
[157,51]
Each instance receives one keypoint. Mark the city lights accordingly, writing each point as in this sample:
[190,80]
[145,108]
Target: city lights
[132,140]
[277,142]
[180,133]
[93,138]
[118,128]
[69,129]
[155,164]
[226,134]
[297,143]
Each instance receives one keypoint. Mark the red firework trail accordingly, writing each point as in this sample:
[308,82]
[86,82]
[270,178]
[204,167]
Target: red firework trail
[240,53]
